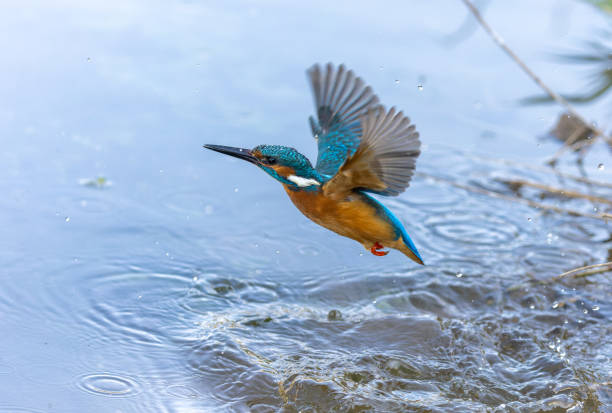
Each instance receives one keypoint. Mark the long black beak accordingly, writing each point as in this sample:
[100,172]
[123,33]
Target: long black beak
[235,152]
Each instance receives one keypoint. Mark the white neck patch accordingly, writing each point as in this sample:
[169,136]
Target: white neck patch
[302,182]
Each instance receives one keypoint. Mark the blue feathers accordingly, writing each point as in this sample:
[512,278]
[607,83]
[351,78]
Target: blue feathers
[397,225]
[334,147]
[289,157]
[341,101]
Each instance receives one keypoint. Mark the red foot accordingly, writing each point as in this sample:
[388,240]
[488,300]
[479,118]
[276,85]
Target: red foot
[377,247]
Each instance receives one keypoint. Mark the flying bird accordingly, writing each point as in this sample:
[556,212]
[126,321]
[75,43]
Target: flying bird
[363,148]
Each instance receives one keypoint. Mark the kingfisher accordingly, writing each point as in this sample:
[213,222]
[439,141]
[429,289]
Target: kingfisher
[363,149]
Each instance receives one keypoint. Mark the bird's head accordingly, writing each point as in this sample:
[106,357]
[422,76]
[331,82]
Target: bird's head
[284,164]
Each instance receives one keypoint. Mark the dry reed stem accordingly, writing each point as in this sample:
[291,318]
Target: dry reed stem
[573,146]
[587,267]
[594,269]
[564,192]
[602,216]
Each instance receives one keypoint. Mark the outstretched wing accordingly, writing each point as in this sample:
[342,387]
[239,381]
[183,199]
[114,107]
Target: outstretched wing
[341,100]
[385,160]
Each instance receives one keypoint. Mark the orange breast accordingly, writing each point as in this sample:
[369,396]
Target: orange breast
[353,218]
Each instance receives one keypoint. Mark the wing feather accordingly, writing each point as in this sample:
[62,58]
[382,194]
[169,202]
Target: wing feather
[386,157]
[341,100]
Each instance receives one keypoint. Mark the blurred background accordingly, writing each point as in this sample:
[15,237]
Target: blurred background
[141,273]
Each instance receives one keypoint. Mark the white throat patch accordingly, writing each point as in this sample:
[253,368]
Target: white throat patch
[302,182]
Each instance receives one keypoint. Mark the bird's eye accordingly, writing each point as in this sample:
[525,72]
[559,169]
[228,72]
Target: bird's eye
[269,160]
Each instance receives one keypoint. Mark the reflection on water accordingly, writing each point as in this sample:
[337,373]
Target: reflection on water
[192,284]
[597,58]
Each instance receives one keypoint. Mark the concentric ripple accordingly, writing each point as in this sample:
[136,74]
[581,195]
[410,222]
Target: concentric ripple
[550,260]
[476,230]
[109,385]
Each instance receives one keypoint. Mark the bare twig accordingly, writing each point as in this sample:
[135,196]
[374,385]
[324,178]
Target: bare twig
[608,266]
[602,216]
[501,43]
[564,192]
[571,146]
[575,273]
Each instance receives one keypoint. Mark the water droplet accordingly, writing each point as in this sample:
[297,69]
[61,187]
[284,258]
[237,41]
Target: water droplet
[381,68]
[67,219]
[397,81]
[600,167]
[235,189]
[195,278]
[555,304]
[585,311]
[595,308]
[420,87]
[161,171]
[277,251]
[89,59]
[532,306]
[529,219]
[459,275]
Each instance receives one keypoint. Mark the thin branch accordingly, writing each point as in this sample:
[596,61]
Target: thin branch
[602,216]
[575,273]
[501,43]
[588,267]
[564,192]
[571,146]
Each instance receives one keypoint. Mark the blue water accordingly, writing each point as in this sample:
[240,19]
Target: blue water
[141,273]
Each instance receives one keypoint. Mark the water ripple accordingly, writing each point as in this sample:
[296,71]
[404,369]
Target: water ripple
[477,230]
[15,409]
[109,385]
[182,391]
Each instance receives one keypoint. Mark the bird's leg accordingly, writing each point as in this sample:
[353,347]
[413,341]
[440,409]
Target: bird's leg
[377,247]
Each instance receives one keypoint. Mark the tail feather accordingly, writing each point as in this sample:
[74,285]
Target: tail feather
[412,254]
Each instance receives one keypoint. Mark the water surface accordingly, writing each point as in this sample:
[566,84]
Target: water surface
[141,273]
